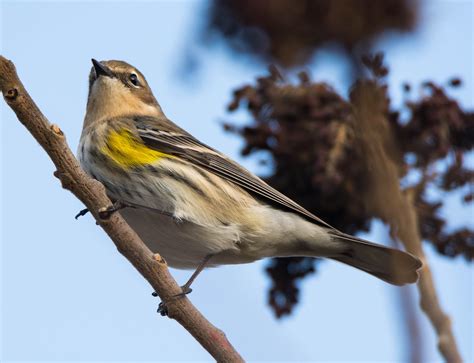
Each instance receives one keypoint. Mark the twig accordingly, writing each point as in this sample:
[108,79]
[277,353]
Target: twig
[92,194]
[387,201]
[409,310]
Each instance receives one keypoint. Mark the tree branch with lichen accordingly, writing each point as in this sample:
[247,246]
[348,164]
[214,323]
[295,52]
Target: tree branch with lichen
[92,193]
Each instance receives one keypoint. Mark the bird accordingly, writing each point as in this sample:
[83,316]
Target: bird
[192,204]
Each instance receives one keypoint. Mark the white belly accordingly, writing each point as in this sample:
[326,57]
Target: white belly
[184,244]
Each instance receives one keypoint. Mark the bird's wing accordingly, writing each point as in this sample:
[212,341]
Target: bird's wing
[167,137]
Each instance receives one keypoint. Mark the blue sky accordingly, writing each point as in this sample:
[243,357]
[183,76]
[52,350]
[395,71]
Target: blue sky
[66,293]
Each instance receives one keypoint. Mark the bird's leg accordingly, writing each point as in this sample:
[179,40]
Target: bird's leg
[106,212]
[186,288]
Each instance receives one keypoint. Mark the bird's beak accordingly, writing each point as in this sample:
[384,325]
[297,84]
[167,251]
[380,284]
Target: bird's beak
[101,70]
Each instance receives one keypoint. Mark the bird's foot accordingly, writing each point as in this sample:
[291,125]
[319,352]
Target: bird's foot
[106,212]
[163,308]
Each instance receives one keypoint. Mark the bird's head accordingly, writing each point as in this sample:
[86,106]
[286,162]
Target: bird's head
[118,89]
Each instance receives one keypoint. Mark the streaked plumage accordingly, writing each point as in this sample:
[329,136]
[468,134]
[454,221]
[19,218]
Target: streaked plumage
[190,201]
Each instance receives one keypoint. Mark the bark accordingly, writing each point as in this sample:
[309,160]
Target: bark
[92,193]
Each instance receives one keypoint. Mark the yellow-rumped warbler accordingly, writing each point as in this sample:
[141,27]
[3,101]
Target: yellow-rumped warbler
[192,204]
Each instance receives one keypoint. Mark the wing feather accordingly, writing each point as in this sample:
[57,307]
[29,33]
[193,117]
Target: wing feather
[169,138]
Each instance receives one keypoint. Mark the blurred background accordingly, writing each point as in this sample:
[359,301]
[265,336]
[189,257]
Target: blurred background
[66,294]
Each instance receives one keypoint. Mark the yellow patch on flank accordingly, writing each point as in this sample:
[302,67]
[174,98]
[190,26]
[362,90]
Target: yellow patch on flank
[127,151]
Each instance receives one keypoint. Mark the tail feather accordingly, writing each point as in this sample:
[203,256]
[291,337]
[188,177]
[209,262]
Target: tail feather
[391,265]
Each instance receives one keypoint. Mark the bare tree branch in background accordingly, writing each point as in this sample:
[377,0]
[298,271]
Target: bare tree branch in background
[152,267]
[315,141]
[387,201]
[345,161]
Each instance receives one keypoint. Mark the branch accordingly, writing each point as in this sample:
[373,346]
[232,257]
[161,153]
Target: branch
[92,193]
[387,201]
[414,339]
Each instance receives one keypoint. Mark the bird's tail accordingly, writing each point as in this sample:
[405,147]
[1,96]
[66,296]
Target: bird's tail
[391,265]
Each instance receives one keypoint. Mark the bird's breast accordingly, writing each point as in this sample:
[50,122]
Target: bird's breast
[127,151]
[133,173]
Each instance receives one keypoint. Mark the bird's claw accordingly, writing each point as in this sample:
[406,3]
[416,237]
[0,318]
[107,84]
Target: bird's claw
[81,213]
[106,212]
[185,290]
[163,308]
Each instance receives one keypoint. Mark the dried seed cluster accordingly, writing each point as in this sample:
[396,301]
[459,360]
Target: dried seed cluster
[289,32]
[308,133]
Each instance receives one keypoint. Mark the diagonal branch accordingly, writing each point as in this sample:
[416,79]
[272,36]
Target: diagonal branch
[152,267]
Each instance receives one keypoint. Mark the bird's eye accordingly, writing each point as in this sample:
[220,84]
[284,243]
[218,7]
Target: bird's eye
[134,79]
